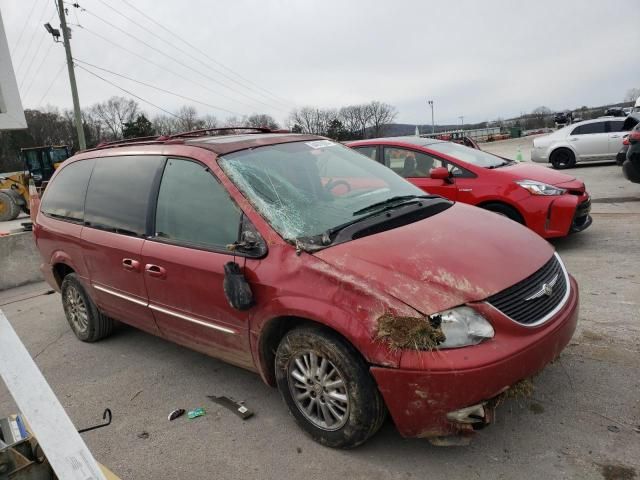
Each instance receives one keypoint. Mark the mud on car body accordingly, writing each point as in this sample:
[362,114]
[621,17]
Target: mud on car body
[347,287]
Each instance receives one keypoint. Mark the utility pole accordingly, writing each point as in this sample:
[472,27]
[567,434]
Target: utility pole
[461,117]
[72,76]
[433,124]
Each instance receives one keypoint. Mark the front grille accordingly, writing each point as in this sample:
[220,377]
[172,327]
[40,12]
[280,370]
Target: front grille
[512,301]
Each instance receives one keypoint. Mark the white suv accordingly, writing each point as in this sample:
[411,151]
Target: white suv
[587,141]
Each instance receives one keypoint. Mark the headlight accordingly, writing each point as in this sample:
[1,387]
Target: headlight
[539,188]
[462,326]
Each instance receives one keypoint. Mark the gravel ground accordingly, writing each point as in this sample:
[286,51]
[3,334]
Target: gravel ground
[583,421]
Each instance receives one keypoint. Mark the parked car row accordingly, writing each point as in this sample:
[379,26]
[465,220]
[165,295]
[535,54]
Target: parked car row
[352,290]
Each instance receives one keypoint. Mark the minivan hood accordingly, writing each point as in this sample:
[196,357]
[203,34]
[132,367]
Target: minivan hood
[527,171]
[461,255]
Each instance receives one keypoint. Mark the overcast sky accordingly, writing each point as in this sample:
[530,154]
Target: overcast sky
[481,60]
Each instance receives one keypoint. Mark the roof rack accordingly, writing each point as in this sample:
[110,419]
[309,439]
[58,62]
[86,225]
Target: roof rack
[152,138]
[193,133]
[204,131]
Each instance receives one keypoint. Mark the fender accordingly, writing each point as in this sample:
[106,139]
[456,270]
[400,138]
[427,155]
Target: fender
[357,327]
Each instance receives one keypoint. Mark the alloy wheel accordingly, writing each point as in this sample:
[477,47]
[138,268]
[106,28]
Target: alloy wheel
[76,309]
[319,390]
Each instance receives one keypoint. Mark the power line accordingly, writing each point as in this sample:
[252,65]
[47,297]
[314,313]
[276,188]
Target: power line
[33,78]
[190,45]
[145,59]
[53,80]
[128,92]
[33,36]
[180,62]
[24,27]
[33,58]
[189,54]
[155,88]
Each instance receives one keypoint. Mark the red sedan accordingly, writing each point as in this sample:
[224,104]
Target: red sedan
[550,203]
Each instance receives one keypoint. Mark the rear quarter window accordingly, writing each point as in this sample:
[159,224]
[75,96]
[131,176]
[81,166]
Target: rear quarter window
[65,195]
[119,192]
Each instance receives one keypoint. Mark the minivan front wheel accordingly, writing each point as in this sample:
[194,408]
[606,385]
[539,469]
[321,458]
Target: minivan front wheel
[87,323]
[328,388]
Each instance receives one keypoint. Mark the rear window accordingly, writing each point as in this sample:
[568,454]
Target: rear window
[64,196]
[119,193]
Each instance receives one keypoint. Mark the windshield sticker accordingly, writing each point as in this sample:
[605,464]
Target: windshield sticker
[320,143]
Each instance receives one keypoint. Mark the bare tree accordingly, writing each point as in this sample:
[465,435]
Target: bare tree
[350,118]
[540,117]
[632,95]
[313,120]
[188,119]
[164,125]
[209,121]
[114,113]
[262,120]
[381,114]
[363,114]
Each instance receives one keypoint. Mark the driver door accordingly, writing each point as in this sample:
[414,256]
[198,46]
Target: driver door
[415,167]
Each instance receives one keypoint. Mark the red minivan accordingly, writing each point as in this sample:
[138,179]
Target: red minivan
[335,279]
[551,203]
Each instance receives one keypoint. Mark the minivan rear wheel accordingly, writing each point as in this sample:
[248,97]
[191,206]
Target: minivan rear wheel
[88,324]
[328,388]
[563,158]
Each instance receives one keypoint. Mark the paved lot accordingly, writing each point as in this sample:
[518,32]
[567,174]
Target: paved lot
[583,419]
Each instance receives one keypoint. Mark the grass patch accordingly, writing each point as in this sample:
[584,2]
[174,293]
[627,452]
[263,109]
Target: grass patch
[415,333]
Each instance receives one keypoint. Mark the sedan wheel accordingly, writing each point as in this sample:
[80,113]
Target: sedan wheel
[563,158]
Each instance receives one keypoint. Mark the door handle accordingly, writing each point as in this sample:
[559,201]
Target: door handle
[155,271]
[131,264]
[574,139]
[615,136]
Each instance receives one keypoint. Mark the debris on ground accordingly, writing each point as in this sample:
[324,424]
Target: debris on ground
[176,413]
[197,412]
[536,408]
[236,407]
[143,435]
[523,389]
[613,428]
[617,472]
[416,333]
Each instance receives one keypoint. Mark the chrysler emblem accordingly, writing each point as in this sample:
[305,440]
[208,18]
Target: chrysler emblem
[545,289]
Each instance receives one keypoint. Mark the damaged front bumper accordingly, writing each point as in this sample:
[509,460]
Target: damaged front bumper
[444,393]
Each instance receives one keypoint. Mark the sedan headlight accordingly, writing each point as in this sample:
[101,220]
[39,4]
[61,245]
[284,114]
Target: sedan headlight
[539,188]
[462,326]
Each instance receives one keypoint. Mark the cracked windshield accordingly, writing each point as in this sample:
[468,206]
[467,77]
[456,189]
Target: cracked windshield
[305,188]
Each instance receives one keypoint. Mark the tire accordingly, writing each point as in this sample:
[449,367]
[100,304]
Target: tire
[88,324]
[9,209]
[563,158]
[505,210]
[353,409]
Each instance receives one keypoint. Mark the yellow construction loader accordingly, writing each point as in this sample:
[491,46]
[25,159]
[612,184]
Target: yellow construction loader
[39,163]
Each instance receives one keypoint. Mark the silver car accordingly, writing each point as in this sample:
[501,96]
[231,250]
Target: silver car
[587,141]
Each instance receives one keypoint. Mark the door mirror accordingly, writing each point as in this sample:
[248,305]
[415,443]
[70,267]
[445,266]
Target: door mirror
[250,243]
[439,173]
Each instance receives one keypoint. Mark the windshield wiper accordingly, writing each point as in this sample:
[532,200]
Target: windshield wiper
[503,164]
[390,202]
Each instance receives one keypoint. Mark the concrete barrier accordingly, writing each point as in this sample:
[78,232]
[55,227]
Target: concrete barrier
[19,260]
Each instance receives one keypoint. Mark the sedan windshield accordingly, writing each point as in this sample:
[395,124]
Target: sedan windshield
[469,155]
[305,189]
